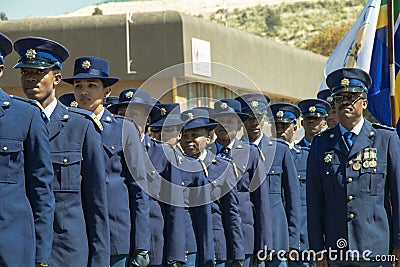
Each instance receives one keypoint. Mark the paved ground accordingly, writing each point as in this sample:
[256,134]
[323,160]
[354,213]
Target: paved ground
[193,7]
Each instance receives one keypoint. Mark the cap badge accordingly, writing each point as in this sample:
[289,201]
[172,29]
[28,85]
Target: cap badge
[224,105]
[329,99]
[279,114]
[312,109]
[129,94]
[190,115]
[344,82]
[86,64]
[163,112]
[31,53]
[254,104]
[74,104]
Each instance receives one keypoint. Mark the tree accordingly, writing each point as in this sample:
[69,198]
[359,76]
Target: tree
[3,16]
[97,11]
[325,41]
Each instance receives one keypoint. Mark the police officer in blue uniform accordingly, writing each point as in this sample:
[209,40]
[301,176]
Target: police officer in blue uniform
[167,244]
[314,113]
[167,118]
[81,210]
[92,84]
[198,220]
[222,175]
[281,174]
[332,118]
[353,179]
[254,203]
[110,100]
[285,118]
[26,174]
[68,100]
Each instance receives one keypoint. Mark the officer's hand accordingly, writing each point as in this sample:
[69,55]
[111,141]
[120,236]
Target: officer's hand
[237,263]
[396,253]
[322,261]
[140,258]
[173,263]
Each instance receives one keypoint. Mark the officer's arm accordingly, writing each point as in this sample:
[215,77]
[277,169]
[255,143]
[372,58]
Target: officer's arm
[39,176]
[259,189]
[94,198]
[202,220]
[231,218]
[291,188]
[393,175]
[315,201]
[174,215]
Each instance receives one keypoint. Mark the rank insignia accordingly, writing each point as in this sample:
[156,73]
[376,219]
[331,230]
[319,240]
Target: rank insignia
[254,104]
[163,112]
[224,105]
[129,94]
[312,109]
[31,53]
[279,114]
[345,82]
[328,156]
[190,116]
[86,64]
[74,104]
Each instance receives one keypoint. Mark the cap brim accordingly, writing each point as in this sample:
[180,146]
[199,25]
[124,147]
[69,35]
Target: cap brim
[109,80]
[242,116]
[190,126]
[34,65]
[349,90]
[165,122]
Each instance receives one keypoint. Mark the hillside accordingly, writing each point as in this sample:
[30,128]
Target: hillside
[290,22]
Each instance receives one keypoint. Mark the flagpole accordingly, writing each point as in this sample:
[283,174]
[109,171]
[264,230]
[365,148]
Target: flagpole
[391,62]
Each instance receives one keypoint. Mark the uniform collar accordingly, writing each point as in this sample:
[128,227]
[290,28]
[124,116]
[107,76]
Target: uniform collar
[308,144]
[50,108]
[356,130]
[256,142]
[100,115]
[219,146]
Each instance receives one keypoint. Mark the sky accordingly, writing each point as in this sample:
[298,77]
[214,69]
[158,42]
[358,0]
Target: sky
[19,9]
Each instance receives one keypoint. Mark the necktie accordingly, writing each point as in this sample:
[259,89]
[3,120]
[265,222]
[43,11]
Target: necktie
[224,152]
[347,137]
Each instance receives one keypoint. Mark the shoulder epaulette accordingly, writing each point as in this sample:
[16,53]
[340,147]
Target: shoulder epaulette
[88,114]
[33,103]
[279,140]
[381,126]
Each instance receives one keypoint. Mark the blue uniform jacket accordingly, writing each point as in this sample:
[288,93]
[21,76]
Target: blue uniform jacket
[254,202]
[284,193]
[81,226]
[227,224]
[118,178]
[27,202]
[198,219]
[347,202]
[302,143]
[166,221]
[300,155]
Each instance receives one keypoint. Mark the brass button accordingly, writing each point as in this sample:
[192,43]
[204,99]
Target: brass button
[352,216]
[153,172]
[65,160]
[350,162]
[272,172]
[350,197]
[327,173]
[183,183]
[299,176]
[349,180]
[5,148]
[112,147]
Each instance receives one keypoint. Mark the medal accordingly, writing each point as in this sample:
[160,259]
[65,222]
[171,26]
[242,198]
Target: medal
[372,163]
[357,166]
[366,164]
[357,163]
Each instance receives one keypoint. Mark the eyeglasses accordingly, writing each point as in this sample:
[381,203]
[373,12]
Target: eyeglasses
[350,97]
